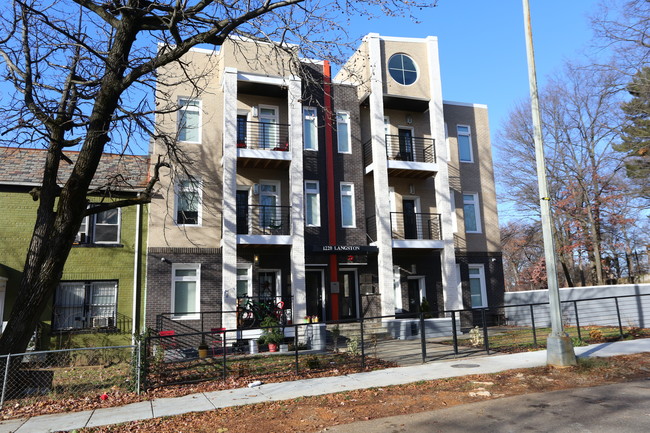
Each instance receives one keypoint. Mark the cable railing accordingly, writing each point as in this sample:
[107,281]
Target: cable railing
[413,225]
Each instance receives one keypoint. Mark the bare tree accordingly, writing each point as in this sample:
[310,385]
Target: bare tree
[580,122]
[83,74]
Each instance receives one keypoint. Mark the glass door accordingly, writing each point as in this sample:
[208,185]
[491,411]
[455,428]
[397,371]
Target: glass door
[405,144]
[268,117]
[314,292]
[348,295]
[409,207]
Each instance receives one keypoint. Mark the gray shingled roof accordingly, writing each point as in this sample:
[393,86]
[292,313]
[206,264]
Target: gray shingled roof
[23,166]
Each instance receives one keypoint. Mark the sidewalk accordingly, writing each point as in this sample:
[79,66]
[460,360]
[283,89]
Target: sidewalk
[308,387]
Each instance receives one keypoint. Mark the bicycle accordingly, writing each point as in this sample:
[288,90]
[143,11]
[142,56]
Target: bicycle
[253,312]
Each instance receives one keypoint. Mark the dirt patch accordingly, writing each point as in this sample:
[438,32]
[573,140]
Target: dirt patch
[311,414]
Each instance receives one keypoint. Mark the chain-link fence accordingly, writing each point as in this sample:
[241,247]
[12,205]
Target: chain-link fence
[71,373]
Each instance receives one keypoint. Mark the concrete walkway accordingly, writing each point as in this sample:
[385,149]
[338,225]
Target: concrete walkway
[308,387]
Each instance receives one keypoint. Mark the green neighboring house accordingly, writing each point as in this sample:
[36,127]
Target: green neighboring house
[104,278]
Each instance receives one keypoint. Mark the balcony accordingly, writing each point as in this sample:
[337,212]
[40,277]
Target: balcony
[262,144]
[416,230]
[414,149]
[412,157]
[263,224]
[410,230]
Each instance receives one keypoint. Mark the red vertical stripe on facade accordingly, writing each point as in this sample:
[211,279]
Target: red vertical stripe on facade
[331,203]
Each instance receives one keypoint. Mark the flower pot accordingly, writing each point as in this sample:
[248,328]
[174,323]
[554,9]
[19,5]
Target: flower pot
[203,351]
[273,347]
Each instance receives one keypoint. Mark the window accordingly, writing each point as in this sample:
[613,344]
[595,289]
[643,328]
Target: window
[477,286]
[310,128]
[270,211]
[188,202]
[186,290]
[85,304]
[244,287]
[343,131]
[312,203]
[268,124]
[472,214]
[348,218]
[464,144]
[101,228]
[403,69]
[189,120]
[242,130]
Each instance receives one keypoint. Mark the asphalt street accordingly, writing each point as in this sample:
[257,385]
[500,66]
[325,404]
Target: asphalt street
[620,408]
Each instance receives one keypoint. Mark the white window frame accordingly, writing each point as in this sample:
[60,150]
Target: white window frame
[118,224]
[184,104]
[248,278]
[474,202]
[88,226]
[274,131]
[309,192]
[352,209]
[197,279]
[195,184]
[467,134]
[278,198]
[481,278]
[310,119]
[345,121]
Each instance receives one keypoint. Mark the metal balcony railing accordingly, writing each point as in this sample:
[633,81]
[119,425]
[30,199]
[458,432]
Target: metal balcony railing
[263,220]
[263,135]
[416,149]
[416,225]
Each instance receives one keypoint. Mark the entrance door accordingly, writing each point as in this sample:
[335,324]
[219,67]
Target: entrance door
[242,212]
[409,207]
[405,144]
[348,295]
[414,295]
[268,284]
[268,117]
[314,292]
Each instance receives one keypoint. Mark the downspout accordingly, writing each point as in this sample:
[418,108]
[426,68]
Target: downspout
[136,274]
[329,170]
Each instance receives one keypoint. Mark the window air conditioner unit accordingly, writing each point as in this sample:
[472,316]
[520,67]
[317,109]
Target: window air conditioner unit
[102,322]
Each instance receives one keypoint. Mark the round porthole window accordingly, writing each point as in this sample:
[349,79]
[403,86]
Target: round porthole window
[403,69]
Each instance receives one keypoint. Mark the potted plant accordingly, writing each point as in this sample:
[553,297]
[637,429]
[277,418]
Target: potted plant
[271,333]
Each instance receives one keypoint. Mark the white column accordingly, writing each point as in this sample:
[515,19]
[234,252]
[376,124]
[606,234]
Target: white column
[296,194]
[228,207]
[452,295]
[380,177]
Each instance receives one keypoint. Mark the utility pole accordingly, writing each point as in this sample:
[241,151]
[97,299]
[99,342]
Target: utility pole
[559,348]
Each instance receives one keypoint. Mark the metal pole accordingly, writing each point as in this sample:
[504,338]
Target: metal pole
[453,330]
[532,321]
[363,352]
[486,342]
[559,346]
[618,314]
[423,341]
[4,382]
[575,308]
[139,365]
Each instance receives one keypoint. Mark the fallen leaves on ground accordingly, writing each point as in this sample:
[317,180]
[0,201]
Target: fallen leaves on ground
[309,414]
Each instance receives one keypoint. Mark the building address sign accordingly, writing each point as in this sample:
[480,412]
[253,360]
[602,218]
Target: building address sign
[343,249]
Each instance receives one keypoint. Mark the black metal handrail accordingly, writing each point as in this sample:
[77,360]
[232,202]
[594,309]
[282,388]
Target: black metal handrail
[416,149]
[263,135]
[263,220]
[407,225]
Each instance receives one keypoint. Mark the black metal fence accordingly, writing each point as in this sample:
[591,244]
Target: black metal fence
[413,225]
[263,220]
[181,354]
[263,135]
[416,149]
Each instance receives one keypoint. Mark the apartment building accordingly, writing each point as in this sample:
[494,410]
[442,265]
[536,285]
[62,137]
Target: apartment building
[338,197]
